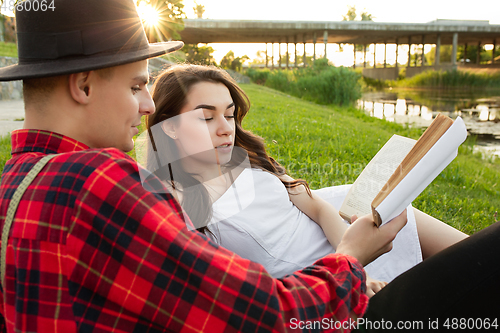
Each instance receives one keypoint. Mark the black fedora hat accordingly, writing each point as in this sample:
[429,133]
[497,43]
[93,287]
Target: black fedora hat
[72,36]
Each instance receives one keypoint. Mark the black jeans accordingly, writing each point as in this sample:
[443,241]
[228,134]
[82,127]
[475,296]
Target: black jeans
[454,290]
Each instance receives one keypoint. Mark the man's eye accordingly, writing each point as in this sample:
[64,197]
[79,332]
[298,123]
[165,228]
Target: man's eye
[136,89]
[206,119]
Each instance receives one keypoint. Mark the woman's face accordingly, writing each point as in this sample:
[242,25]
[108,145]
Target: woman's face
[205,129]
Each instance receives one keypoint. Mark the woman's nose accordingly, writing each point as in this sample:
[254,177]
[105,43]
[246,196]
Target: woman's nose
[225,126]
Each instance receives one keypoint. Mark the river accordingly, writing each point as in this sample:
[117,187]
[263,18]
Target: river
[480,111]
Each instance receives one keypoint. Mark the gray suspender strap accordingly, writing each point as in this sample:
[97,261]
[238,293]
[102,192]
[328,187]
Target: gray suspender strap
[11,211]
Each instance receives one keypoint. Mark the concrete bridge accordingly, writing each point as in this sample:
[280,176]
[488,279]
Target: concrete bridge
[439,32]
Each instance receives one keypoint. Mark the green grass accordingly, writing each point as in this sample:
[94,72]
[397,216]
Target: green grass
[8,50]
[329,145]
[5,149]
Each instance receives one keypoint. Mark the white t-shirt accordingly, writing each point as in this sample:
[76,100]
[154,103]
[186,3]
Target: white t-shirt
[256,219]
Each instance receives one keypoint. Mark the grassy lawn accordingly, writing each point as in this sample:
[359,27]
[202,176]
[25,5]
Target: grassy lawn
[328,145]
[8,50]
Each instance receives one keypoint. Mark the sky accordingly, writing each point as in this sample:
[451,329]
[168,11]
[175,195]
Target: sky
[421,11]
[332,10]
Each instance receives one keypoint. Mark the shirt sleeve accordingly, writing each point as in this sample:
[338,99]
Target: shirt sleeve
[132,263]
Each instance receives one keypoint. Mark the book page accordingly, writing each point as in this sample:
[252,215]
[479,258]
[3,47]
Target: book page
[374,176]
[424,172]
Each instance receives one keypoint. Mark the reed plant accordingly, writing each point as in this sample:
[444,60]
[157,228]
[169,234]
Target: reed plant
[452,79]
[321,83]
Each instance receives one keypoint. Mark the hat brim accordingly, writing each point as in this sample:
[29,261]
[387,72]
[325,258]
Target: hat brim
[81,64]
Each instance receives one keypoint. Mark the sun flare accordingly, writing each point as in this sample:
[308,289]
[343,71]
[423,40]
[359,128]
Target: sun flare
[148,14]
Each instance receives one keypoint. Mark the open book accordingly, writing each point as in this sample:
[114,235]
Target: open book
[402,169]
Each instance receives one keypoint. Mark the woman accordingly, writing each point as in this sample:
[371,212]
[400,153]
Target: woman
[257,210]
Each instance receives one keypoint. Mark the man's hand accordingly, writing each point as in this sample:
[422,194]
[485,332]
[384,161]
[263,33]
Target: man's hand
[364,241]
[373,286]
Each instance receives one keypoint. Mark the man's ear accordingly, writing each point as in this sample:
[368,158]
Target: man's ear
[80,87]
[168,128]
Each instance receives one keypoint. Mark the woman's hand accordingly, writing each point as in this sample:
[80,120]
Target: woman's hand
[373,286]
[364,241]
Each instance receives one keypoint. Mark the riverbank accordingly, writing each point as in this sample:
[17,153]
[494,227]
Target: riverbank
[329,145]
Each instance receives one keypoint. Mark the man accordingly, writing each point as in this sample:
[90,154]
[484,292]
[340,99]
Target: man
[89,247]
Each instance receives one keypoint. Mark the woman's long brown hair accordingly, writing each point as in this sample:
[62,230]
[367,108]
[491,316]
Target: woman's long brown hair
[169,94]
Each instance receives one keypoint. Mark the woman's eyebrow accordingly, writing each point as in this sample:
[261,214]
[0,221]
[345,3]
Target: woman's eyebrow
[205,106]
[211,107]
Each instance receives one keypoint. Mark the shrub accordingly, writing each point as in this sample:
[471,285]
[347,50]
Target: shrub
[454,79]
[321,83]
[258,76]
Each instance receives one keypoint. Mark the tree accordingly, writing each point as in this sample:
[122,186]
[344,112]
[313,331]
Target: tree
[168,21]
[260,58]
[366,17]
[229,61]
[199,55]
[350,15]
[198,10]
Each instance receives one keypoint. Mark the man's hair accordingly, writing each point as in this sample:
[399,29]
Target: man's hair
[37,90]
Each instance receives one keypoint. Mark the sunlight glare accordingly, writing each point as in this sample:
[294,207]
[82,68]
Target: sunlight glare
[148,14]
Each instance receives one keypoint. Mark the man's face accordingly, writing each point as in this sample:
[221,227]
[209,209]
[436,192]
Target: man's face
[119,102]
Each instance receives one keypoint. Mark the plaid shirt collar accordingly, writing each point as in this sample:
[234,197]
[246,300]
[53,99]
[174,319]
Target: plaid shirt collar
[30,140]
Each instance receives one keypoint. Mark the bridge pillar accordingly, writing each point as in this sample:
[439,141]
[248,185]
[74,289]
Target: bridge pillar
[364,56]
[438,50]
[279,54]
[454,50]
[272,55]
[409,51]
[397,49]
[385,54]
[287,54]
[493,51]
[478,55]
[314,46]
[325,40]
[354,64]
[423,50]
[374,58]
[465,53]
[295,50]
[305,50]
[266,55]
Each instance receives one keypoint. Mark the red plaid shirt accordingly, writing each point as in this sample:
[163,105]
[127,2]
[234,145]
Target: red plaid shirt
[91,250]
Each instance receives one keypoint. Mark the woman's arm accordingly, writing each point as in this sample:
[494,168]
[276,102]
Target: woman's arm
[328,218]
[318,210]
[435,235]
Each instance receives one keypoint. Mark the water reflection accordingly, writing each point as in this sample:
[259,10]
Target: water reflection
[479,110]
